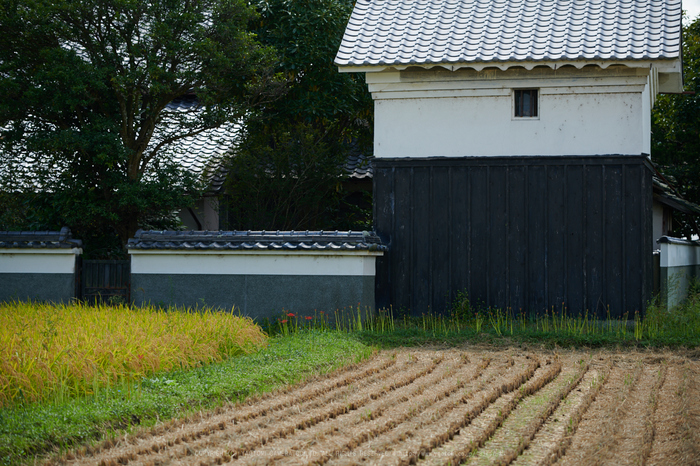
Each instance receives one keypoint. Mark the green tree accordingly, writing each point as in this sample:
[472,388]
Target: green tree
[676,129]
[287,171]
[84,93]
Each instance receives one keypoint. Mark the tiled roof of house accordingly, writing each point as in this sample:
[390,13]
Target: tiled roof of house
[667,194]
[257,240]
[448,32]
[359,166]
[39,239]
[204,153]
[201,154]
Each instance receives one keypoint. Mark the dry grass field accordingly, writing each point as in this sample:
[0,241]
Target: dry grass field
[449,406]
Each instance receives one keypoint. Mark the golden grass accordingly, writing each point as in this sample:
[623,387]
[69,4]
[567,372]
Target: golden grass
[58,351]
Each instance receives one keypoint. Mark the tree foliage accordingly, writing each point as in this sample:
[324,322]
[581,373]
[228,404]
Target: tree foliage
[676,129]
[84,93]
[287,172]
[286,179]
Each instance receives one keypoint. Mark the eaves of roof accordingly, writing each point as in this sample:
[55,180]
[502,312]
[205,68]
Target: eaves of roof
[666,195]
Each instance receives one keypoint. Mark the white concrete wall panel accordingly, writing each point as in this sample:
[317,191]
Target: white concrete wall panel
[360,264]
[679,255]
[49,261]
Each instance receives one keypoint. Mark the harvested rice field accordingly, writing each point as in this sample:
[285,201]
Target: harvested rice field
[449,406]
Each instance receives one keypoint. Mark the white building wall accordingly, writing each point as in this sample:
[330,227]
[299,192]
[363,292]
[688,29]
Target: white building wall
[467,113]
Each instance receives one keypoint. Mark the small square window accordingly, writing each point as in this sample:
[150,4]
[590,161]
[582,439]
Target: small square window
[525,103]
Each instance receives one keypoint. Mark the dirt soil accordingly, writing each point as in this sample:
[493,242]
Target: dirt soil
[449,406]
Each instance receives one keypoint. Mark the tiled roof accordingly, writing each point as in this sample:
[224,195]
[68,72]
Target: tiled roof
[665,193]
[39,239]
[432,32]
[201,154]
[257,240]
[359,166]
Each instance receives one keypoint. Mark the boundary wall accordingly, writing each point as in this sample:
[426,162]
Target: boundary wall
[679,266]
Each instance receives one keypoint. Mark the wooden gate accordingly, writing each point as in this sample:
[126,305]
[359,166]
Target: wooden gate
[105,281]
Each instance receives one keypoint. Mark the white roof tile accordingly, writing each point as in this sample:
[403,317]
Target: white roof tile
[442,32]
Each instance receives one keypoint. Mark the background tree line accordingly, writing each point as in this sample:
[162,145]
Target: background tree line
[85,85]
[675,133]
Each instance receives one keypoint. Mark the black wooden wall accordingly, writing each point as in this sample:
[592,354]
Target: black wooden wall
[525,233]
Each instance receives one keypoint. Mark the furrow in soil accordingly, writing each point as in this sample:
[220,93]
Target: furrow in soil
[152,446]
[635,434]
[494,409]
[554,437]
[318,441]
[239,440]
[379,446]
[689,410]
[600,424]
[413,448]
[352,442]
[668,445]
[517,431]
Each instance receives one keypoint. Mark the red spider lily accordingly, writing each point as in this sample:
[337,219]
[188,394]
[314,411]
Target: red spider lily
[291,315]
[283,321]
[308,317]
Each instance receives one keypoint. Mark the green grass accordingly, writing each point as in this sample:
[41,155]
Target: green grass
[39,428]
[657,328]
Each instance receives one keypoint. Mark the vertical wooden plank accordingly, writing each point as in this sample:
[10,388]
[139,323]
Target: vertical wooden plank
[537,237]
[594,250]
[632,260]
[421,241]
[479,234]
[574,237]
[401,262]
[384,216]
[458,231]
[440,225]
[647,198]
[556,231]
[498,262]
[613,239]
[518,279]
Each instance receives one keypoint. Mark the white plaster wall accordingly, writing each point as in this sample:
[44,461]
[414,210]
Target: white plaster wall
[679,255]
[38,261]
[589,124]
[247,263]
[587,113]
